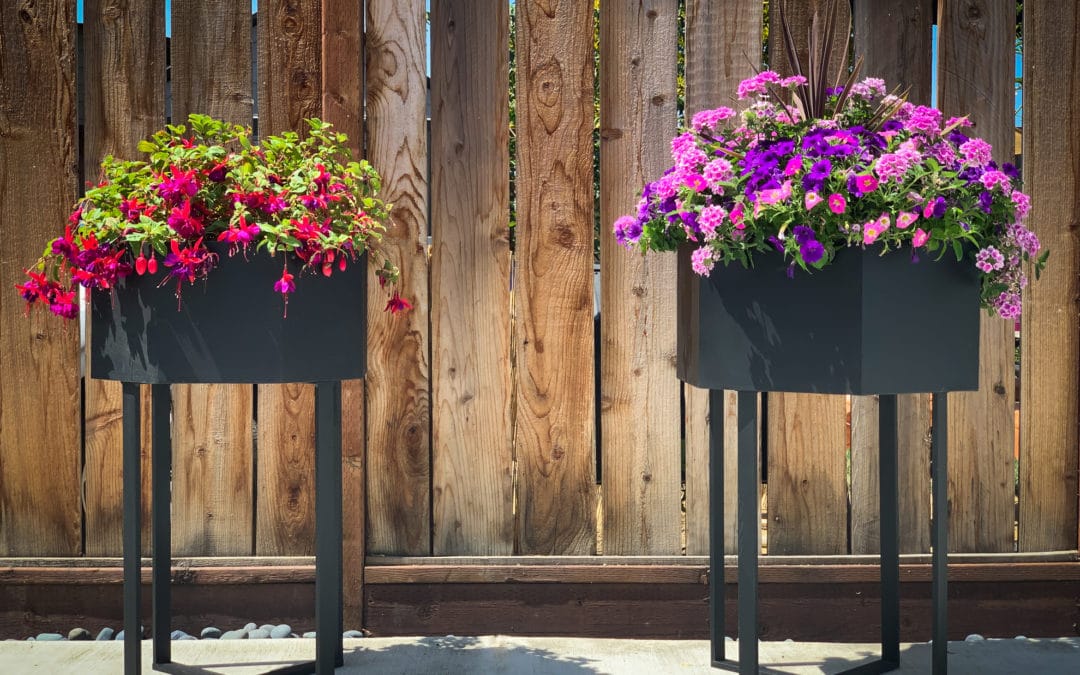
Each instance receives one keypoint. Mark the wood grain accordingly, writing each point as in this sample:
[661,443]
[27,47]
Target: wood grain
[472,464]
[1050,336]
[807,487]
[806,434]
[639,392]
[554,427]
[901,56]
[342,105]
[213,487]
[975,77]
[285,480]
[40,510]
[399,379]
[723,47]
[290,91]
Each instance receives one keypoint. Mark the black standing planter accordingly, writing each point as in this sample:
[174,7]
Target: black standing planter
[866,324]
[230,329]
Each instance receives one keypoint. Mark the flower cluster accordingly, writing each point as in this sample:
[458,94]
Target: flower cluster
[873,171]
[209,193]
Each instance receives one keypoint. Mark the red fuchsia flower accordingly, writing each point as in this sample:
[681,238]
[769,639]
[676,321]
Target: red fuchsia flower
[140,265]
[218,171]
[76,216]
[837,203]
[131,209]
[274,203]
[285,284]
[315,200]
[37,288]
[239,236]
[183,222]
[65,245]
[397,304]
[188,262]
[178,184]
[65,304]
[920,237]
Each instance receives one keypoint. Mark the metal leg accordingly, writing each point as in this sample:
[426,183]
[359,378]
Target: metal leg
[889,512]
[749,533]
[940,534]
[161,534]
[716,524]
[328,517]
[132,540]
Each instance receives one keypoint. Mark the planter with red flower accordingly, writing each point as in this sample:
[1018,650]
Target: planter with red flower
[191,257]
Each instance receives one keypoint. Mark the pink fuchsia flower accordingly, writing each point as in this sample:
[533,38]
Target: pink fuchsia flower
[285,284]
[178,184]
[920,237]
[905,219]
[837,203]
[811,199]
[976,152]
[183,222]
[701,261]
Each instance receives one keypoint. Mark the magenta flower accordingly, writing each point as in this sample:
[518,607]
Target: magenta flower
[178,184]
[866,183]
[183,223]
[905,219]
[793,166]
[920,237]
[837,203]
[694,181]
[285,284]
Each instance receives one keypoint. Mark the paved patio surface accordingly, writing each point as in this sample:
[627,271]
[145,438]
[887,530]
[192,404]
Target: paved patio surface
[540,656]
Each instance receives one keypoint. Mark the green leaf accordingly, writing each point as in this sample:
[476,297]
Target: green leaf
[958,249]
[147,147]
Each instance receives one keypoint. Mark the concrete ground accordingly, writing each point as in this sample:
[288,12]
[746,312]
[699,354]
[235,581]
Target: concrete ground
[522,656]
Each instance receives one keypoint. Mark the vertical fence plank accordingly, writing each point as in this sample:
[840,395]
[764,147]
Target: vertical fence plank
[289,42]
[212,436]
[398,380]
[342,105]
[901,55]
[124,95]
[470,182]
[807,485]
[39,386]
[1049,339]
[638,387]
[723,47]
[554,430]
[975,77]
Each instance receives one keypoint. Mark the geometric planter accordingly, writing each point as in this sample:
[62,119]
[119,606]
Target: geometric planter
[865,324]
[231,327]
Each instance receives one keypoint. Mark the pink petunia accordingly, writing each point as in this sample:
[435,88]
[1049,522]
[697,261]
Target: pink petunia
[811,200]
[920,237]
[905,219]
[837,203]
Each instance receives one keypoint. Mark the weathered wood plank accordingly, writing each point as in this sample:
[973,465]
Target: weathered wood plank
[806,434]
[975,77]
[639,391]
[901,56]
[1050,335]
[342,106]
[290,91]
[554,426]
[472,464]
[40,407]
[807,488]
[213,490]
[399,380]
[723,47]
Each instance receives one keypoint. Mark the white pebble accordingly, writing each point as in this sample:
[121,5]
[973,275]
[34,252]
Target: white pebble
[974,637]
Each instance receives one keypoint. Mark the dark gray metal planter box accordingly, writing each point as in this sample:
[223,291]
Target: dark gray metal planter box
[231,328]
[866,324]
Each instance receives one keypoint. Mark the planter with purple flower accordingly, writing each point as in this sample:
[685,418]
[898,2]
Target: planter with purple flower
[843,248]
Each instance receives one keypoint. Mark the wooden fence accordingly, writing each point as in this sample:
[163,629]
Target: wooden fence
[475,431]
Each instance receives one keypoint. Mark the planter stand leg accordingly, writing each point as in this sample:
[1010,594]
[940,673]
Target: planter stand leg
[940,532]
[328,525]
[749,531]
[161,534]
[132,540]
[889,514]
[716,527]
